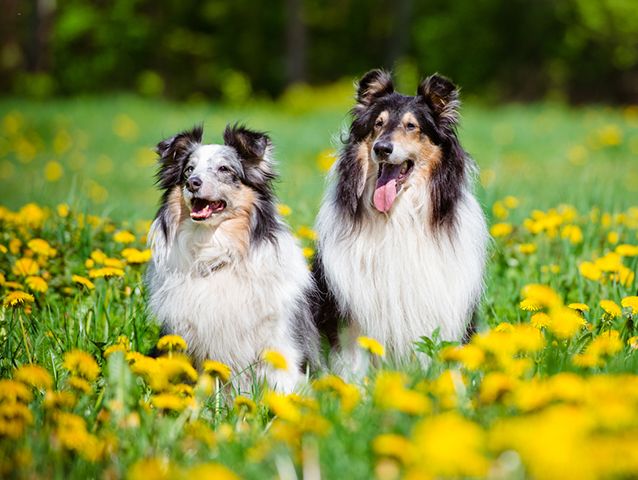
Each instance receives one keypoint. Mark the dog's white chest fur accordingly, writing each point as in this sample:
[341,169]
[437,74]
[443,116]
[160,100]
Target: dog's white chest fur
[396,280]
[236,309]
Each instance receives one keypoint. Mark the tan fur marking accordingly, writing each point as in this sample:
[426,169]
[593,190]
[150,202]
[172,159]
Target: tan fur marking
[177,208]
[237,227]
[365,159]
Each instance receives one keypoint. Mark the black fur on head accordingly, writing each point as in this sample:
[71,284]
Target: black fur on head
[173,153]
[435,105]
[255,150]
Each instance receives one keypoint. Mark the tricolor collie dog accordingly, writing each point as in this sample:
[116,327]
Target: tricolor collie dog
[226,274]
[402,240]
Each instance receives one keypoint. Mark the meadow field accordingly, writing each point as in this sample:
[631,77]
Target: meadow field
[548,388]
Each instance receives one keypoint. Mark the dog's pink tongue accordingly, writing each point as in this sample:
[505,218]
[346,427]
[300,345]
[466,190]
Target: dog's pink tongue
[384,196]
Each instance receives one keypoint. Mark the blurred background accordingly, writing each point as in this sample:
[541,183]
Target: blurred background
[574,50]
[89,87]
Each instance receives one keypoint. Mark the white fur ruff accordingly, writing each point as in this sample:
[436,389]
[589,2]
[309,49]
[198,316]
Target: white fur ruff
[230,306]
[395,278]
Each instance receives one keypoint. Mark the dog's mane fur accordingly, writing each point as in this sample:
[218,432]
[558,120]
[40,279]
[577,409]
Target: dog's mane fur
[398,276]
[237,286]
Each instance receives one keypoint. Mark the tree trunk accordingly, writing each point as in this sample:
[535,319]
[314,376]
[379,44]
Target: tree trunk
[295,42]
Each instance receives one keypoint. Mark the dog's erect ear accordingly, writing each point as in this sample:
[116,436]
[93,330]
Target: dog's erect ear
[443,98]
[254,150]
[251,146]
[374,85]
[175,147]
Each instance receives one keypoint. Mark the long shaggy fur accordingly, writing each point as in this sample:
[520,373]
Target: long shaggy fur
[235,283]
[400,274]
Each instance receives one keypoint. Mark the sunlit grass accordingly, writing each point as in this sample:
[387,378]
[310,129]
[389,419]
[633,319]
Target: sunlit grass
[550,378]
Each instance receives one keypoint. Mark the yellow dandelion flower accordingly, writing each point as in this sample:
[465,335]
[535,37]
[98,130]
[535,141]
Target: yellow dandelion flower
[529,305]
[53,171]
[79,384]
[349,394]
[371,345]
[217,369]
[606,344]
[501,230]
[573,233]
[25,267]
[590,271]
[307,232]
[170,401]
[282,406]
[499,210]
[541,294]
[626,250]
[33,375]
[171,342]
[14,418]
[17,298]
[284,210]
[581,307]
[275,359]
[3,249]
[448,445]
[471,356]
[631,303]
[244,403]
[390,393]
[125,127]
[111,349]
[153,469]
[58,400]
[135,256]
[83,281]
[611,308]
[565,322]
[124,236]
[527,248]
[41,247]
[511,202]
[81,363]
[613,237]
[633,342]
[308,252]
[31,215]
[98,256]
[394,446]
[13,391]
[63,210]
[325,159]
[14,245]
[214,471]
[106,272]
[36,284]
[494,386]
[176,367]
[114,263]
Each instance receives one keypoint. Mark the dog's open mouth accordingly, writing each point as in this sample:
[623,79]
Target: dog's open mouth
[389,182]
[201,208]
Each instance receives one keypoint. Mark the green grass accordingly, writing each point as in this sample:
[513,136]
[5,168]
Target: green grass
[506,403]
[522,150]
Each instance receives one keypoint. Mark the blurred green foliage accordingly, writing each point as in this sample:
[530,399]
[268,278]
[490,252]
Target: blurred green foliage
[574,50]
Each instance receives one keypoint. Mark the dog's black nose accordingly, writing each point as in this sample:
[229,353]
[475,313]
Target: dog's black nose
[383,148]
[193,183]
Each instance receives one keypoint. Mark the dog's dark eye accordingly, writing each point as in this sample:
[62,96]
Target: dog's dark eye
[223,169]
[188,170]
[410,126]
[378,123]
